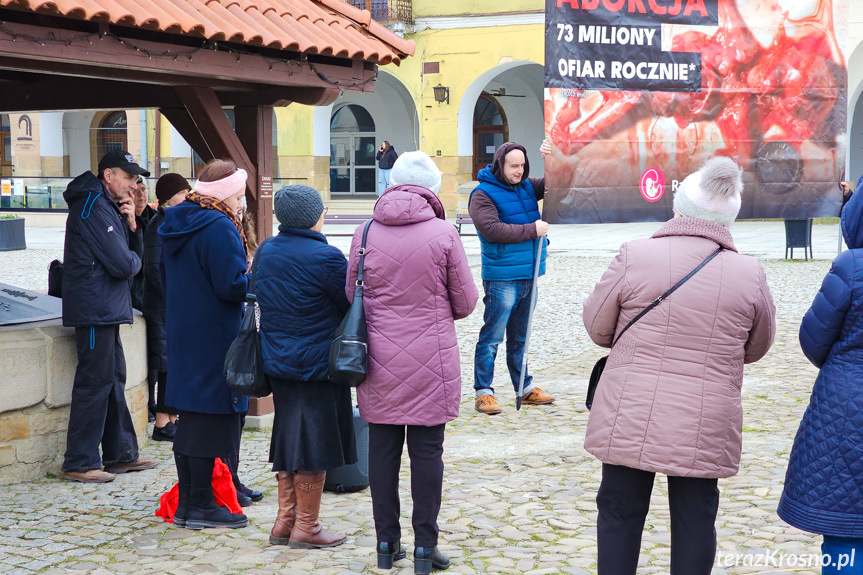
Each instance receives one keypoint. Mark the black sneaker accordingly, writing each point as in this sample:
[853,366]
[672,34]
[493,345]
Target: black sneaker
[165,433]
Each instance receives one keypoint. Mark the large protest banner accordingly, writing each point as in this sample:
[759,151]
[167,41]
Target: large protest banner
[639,93]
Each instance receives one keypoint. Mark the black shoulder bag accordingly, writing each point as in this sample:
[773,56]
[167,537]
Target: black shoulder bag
[600,364]
[55,279]
[244,363]
[349,351]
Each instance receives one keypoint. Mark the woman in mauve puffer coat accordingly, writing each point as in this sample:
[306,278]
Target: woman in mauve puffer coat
[669,398]
[824,483]
[416,283]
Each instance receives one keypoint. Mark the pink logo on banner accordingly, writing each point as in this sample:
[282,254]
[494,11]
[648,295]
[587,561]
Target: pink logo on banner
[652,184]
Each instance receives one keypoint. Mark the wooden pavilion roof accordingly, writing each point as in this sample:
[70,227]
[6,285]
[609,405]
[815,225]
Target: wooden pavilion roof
[326,27]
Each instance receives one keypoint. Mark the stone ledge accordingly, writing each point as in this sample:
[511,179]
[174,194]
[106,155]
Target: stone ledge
[257,422]
[38,362]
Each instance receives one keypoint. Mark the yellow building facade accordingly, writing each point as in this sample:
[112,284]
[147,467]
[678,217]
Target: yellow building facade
[486,61]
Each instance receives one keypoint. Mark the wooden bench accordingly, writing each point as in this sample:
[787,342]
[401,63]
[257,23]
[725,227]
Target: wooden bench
[462,219]
[344,220]
[358,220]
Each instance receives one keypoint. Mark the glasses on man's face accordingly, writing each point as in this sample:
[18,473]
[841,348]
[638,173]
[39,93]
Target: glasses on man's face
[326,209]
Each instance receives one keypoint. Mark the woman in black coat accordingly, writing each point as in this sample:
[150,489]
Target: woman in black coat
[171,189]
[299,284]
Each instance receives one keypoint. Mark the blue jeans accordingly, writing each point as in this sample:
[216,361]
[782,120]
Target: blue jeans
[507,306]
[846,556]
[383,180]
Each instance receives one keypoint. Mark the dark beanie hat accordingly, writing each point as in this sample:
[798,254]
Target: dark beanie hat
[170,185]
[298,206]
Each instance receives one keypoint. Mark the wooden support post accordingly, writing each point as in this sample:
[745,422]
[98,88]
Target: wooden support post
[206,112]
[255,132]
[185,126]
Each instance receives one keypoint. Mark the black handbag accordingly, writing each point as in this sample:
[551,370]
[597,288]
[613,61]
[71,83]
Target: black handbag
[349,351]
[598,368]
[55,279]
[244,364]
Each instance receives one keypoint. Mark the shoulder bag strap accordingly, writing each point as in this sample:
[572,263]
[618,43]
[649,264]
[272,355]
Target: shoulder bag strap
[250,291]
[358,292]
[660,299]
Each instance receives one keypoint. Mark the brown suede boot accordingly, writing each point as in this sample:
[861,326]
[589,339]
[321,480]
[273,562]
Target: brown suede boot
[281,533]
[307,532]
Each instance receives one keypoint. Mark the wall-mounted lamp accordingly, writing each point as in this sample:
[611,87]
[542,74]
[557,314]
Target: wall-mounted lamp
[441,94]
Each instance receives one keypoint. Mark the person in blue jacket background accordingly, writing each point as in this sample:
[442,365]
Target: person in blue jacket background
[300,287]
[205,264]
[823,490]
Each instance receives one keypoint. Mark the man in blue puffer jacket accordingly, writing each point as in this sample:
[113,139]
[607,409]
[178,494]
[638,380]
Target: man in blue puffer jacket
[824,483]
[102,254]
[505,210]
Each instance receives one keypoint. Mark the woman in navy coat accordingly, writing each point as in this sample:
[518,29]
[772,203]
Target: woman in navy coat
[205,287]
[300,287]
[823,491]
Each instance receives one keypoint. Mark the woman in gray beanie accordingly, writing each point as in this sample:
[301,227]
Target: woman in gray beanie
[669,398]
[299,285]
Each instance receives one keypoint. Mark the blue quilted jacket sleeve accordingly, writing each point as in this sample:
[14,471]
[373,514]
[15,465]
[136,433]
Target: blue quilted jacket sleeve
[822,324]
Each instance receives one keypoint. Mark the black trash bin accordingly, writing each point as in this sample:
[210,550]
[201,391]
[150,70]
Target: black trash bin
[798,234]
[12,234]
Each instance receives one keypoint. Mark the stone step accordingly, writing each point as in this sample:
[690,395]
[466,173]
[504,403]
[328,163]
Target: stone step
[351,206]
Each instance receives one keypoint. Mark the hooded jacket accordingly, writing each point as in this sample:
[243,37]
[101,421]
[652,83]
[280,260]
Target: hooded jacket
[509,254]
[205,287]
[669,398]
[823,490]
[100,257]
[417,282]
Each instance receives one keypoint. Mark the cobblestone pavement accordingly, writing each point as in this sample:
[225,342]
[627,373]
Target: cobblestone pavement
[519,488]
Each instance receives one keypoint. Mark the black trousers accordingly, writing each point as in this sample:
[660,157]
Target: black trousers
[623,501]
[233,462]
[425,448]
[99,413]
[157,385]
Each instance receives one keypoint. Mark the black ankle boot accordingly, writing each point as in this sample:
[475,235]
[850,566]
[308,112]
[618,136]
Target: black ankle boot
[428,558]
[388,553]
[182,505]
[204,512]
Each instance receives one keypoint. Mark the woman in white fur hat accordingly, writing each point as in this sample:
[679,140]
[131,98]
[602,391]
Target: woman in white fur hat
[669,398]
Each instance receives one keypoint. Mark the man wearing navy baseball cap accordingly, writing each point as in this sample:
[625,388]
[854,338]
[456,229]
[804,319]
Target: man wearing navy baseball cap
[102,254]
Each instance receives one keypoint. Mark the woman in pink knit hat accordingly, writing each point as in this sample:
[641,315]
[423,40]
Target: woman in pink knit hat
[205,263]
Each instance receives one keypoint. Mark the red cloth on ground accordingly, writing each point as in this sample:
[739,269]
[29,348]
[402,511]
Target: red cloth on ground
[223,490]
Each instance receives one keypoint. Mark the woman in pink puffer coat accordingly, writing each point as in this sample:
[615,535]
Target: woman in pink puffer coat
[669,398]
[416,283]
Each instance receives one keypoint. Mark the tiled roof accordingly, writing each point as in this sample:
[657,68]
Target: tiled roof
[327,27]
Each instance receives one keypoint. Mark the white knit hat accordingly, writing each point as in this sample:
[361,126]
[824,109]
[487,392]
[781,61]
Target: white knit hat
[416,168]
[712,193]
